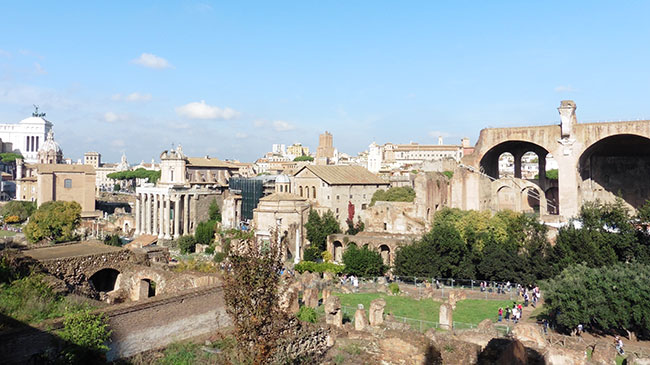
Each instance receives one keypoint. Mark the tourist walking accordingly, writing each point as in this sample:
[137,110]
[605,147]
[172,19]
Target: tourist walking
[500,314]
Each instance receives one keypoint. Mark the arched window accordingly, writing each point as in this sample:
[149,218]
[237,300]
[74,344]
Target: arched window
[301,191]
[307,191]
[313,192]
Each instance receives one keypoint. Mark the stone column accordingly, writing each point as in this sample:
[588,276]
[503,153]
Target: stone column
[137,215]
[147,214]
[186,214]
[177,218]
[161,217]
[166,221]
[541,167]
[517,155]
[154,230]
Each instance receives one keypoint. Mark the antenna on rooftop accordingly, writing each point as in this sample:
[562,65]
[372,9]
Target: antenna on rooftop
[36,113]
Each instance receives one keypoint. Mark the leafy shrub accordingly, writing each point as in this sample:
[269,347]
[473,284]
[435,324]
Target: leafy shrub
[307,314]
[204,233]
[327,256]
[448,174]
[394,288]
[20,209]
[213,211]
[209,250]
[12,219]
[187,244]
[318,267]
[113,240]
[86,335]
[311,253]
[195,265]
[220,256]
[363,262]
[396,194]
[318,228]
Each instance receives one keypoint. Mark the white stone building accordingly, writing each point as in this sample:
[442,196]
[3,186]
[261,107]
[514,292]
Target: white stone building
[27,136]
[395,156]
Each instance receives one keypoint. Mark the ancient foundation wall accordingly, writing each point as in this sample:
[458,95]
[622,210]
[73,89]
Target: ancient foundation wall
[139,326]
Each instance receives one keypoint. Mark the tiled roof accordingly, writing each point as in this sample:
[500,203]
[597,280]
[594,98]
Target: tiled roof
[208,162]
[344,175]
[282,196]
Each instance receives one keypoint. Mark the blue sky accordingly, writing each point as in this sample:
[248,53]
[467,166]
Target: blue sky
[228,79]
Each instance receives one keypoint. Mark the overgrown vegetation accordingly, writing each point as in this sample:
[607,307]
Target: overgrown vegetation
[10,157]
[307,314]
[395,194]
[303,158]
[54,221]
[607,299]
[86,335]
[214,212]
[318,228]
[141,173]
[354,228]
[319,267]
[204,233]
[363,262]
[551,174]
[16,208]
[113,240]
[195,265]
[187,244]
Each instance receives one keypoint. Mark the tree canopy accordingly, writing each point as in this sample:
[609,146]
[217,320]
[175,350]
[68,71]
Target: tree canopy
[17,208]
[363,262]
[303,158]
[54,221]
[318,228]
[141,173]
[10,157]
[396,194]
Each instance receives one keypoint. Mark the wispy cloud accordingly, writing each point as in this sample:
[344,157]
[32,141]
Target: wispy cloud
[282,126]
[114,117]
[201,110]
[152,61]
[39,69]
[565,89]
[132,97]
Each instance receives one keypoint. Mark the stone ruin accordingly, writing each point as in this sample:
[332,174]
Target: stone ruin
[333,312]
[376,312]
[446,316]
[360,320]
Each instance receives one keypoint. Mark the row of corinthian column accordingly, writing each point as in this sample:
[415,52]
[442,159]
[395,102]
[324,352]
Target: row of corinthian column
[154,213]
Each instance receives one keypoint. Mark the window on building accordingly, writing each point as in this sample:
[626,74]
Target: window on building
[350,196]
[313,192]
[67,183]
[328,197]
[307,191]
[337,210]
[301,191]
[338,197]
[385,226]
[364,206]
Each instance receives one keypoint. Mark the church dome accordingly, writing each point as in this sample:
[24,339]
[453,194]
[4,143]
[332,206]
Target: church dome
[282,179]
[50,144]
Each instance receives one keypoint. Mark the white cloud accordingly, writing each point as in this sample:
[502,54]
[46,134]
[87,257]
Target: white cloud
[241,135]
[201,110]
[259,123]
[113,117]
[151,61]
[132,97]
[565,89]
[282,126]
[39,69]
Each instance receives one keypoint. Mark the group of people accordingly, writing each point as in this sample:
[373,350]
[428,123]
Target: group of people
[502,288]
[353,280]
[6,227]
[514,313]
[527,294]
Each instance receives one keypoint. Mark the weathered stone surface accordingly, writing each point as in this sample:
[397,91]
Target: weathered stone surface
[530,335]
[327,292]
[301,340]
[199,248]
[564,356]
[376,312]
[486,326]
[634,360]
[328,276]
[513,354]
[456,296]
[381,280]
[603,354]
[333,313]
[360,320]
[310,297]
[445,316]
[289,300]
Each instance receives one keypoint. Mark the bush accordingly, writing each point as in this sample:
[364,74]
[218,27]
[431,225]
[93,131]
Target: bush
[220,256]
[363,262]
[394,288]
[327,256]
[20,209]
[397,194]
[318,228]
[213,211]
[311,253]
[187,244]
[54,221]
[307,314]
[113,240]
[12,219]
[319,267]
[86,335]
[205,232]
[209,250]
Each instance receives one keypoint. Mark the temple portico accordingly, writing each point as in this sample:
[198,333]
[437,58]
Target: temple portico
[163,211]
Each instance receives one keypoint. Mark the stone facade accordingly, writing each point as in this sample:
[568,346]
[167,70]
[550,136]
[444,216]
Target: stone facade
[26,136]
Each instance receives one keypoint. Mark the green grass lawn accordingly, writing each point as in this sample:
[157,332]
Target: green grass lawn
[7,233]
[467,311]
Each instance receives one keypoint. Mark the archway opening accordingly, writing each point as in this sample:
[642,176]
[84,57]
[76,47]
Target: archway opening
[504,159]
[104,279]
[506,165]
[507,198]
[147,289]
[338,251]
[384,250]
[531,201]
[616,166]
[552,201]
[530,166]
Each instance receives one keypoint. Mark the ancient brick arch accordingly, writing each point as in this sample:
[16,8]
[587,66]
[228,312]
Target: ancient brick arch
[518,195]
[386,244]
[567,141]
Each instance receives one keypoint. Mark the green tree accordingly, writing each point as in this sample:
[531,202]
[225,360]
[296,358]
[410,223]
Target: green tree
[86,335]
[117,187]
[312,253]
[354,228]
[213,211]
[187,244]
[318,228]
[303,158]
[10,157]
[54,221]
[204,233]
[21,209]
[113,240]
[363,262]
[605,299]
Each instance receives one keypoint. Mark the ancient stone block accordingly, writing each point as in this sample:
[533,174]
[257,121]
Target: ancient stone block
[446,316]
[199,248]
[376,312]
[513,354]
[326,294]
[530,335]
[564,356]
[456,296]
[289,300]
[310,297]
[333,313]
[603,354]
[360,320]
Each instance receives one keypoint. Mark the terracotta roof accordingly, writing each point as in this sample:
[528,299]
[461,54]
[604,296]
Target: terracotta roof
[208,162]
[344,175]
[49,168]
[282,196]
